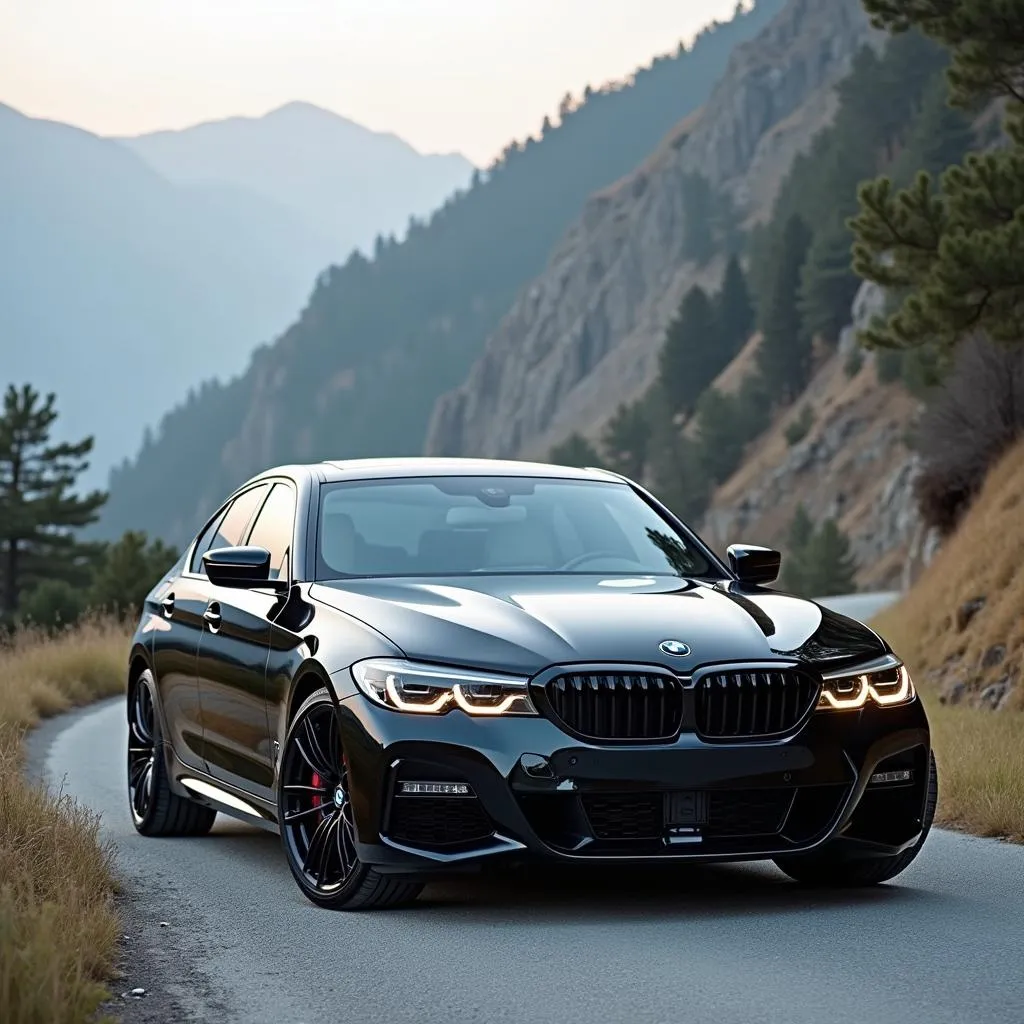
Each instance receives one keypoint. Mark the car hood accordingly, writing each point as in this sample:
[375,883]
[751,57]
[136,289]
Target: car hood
[522,624]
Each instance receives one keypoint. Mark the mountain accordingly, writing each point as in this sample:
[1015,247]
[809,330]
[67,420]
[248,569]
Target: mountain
[359,372]
[118,287]
[351,183]
[815,105]
[586,334]
[122,285]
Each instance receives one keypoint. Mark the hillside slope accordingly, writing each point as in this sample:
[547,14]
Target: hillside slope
[584,336]
[348,182]
[962,624]
[115,284]
[853,466]
[380,340]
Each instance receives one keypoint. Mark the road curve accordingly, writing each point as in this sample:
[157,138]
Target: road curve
[861,606]
[218,931]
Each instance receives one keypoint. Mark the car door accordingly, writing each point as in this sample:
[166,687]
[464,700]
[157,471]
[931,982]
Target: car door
[177,621]
[232,660]
[189,599]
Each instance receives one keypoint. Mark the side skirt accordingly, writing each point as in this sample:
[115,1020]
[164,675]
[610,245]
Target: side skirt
[203,789]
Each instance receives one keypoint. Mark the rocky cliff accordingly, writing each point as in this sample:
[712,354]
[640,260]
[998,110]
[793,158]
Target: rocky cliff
[585,335]
[853,466]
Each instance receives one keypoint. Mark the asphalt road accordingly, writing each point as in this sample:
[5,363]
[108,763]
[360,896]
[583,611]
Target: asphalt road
[861,606]
[217,931]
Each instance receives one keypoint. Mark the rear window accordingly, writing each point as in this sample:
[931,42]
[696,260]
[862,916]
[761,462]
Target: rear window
[448,526]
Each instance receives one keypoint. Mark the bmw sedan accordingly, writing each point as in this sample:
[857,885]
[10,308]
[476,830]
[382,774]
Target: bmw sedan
[416,667]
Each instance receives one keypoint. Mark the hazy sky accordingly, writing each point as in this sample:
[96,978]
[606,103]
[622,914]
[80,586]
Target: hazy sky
[463,75]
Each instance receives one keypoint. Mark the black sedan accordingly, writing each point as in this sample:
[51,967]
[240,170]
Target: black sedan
[414,667]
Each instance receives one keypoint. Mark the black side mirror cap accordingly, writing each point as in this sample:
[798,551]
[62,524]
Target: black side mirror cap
[241,568]
[754,565]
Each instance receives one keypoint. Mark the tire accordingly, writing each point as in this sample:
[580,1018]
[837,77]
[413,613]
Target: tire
[316,821]
[829,867]
[155,809]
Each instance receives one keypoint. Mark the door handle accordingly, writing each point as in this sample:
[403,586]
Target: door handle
[168,606]
[212,617]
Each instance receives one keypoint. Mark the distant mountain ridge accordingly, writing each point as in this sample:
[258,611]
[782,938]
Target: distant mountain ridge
[351,182]
[359,372]
[119,288]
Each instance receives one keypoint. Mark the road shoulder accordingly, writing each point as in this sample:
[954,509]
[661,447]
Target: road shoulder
[158,954]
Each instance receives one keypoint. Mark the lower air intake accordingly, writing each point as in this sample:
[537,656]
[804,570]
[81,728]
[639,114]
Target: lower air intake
[436,823]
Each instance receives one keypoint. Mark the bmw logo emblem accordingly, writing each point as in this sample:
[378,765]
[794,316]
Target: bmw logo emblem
[674,647]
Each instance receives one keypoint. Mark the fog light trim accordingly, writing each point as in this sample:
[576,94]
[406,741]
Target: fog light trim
[435,789]
[888,778]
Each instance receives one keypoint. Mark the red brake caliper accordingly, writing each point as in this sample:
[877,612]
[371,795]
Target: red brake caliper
[316,781]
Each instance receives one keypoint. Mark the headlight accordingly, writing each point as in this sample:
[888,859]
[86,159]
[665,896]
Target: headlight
[435,690]
[884,682]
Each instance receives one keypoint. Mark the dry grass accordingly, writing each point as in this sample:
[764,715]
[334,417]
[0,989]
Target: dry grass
[58,929]
[984,559]
[981,769]
[980,752]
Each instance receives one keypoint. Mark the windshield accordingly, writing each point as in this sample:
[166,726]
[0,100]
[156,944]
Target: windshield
[451,526]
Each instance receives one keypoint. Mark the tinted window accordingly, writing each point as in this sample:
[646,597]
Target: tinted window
[273,528]
[455,525]
[203,544]
[232,526]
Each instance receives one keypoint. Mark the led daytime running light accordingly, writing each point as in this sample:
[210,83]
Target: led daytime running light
[865,691]
[424,689]
[484,709]
[432,708]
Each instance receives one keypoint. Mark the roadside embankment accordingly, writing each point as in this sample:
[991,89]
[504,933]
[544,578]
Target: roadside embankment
[961,631]
[58,928]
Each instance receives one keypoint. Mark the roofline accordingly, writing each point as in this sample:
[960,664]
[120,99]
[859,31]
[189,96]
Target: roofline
[426,466]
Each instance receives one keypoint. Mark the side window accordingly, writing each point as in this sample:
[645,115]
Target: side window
[273,528]
[203,544]
[233,524]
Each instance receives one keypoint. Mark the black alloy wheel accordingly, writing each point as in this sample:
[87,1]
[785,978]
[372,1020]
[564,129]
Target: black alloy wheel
[316,819]
[156,810]
[141,753]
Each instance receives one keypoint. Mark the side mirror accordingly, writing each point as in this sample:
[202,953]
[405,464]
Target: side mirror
[753,564]
[238,567]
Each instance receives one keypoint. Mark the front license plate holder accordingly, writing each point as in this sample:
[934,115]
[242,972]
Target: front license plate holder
[686,807]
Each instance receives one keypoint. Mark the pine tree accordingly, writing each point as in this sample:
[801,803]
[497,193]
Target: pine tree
[942,135]
[830,566]
[677,476]
[719,435]
[866,103]
[828,284]
[954,250]
[128,570]
[693,353]
[626,439]
[38,511]
[798,539]
[753,407]
[51,604]
[576,451]
[734,308]
[698,219]
[784,355]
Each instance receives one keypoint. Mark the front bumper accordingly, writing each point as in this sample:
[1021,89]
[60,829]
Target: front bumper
[538,792]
